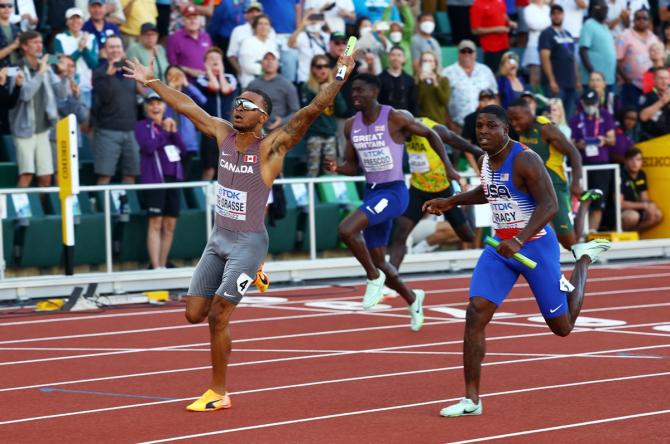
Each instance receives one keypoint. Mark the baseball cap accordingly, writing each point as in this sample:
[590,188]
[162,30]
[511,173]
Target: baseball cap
[467,44]
[486,93]
[590,97]
[273,52]
[153,95]
[527,94]
[72,12]
[254,5]
[189,10]
[338,36]
[147,27]
[96,2]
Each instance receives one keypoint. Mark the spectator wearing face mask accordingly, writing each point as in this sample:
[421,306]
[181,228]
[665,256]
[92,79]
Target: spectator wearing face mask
[593,133]
[309,39]
[400,34]
[423,41]
[373,44]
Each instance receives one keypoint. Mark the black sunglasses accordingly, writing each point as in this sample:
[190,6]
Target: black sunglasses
[466,51]
[6,6]
[247,105]
[323,66]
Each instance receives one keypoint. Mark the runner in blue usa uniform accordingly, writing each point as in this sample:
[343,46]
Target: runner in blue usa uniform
[516,185]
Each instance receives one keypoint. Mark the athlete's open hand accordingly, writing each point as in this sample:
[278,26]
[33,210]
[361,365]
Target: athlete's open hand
[135,70]
[437,206]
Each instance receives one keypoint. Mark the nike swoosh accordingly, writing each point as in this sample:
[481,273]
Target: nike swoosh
[550,310]
[228,295]
[357,130]
[224,154]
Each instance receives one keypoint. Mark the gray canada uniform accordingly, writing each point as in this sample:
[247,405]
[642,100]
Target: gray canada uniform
[239,242]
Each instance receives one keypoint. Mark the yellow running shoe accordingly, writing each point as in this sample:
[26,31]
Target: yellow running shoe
[262,281]
[209,402]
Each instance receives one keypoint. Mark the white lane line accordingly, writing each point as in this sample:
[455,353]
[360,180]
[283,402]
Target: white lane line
[175,327]
[418,280]
[161,372]
[566,426]
[282,318]
[402,406]
[502,321]
[282,350]
[315,383]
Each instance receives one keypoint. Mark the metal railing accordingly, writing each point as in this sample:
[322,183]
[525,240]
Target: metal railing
[208,188]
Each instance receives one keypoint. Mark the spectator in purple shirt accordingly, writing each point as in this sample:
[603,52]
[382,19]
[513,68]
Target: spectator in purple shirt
[187,46]
[98,26]
[161,154]
[593,133]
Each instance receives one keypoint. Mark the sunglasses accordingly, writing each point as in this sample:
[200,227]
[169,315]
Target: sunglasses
[466,51]
[247,105]
[324,66]
[642,17]
[6,6]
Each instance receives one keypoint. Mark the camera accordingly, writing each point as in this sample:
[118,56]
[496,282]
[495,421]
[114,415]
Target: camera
[12,71]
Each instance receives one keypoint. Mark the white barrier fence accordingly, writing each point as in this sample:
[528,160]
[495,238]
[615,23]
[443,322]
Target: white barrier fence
[314,268]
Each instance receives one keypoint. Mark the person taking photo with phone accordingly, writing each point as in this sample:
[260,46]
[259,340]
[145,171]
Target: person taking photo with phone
[36,111]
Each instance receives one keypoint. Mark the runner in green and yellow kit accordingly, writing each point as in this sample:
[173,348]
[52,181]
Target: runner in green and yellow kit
[541,136]
[429,181]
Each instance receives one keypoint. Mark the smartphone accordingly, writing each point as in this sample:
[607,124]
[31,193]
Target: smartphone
[426,68]
[316,17]
[119,64]
[330,6]
[382,26]
[53,59]
[12,71]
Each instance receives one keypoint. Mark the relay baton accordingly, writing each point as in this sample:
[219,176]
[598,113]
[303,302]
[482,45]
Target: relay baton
[342,70]
[518,256]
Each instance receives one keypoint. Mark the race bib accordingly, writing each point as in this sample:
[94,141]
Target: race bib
[172,153]
[377,159]
[418,163]
[591,150]
[507,214]
[231,204]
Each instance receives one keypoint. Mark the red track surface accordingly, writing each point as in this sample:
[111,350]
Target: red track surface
[301,373]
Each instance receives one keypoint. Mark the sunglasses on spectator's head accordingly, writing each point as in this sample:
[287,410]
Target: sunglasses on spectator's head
[321,66]
[466,51]
[247,105]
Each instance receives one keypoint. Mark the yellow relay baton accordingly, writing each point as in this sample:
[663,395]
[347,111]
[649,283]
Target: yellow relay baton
[342,70]
[518,256]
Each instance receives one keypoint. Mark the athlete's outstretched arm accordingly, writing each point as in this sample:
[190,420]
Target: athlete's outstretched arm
[529,166]
[457,141]
[286,137]
[181,103]
[411,127]
[553,136]
[440,205]
[350,165]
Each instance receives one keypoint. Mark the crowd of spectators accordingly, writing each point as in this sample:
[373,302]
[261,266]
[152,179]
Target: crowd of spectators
[596,68]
